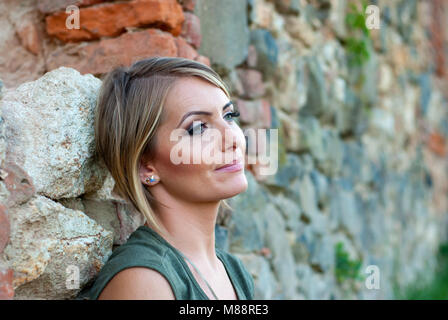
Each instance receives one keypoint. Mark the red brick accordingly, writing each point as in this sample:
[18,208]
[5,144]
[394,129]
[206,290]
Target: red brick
[29,37]
[102,56]
[252,81]
[248,110]
[204,60]
[257,113]
[188,5]
[18,183]
[111,19]
[184,50]
[437,143]
[6,288]
[4,227]
[438,36]
[51,6]
[191,30]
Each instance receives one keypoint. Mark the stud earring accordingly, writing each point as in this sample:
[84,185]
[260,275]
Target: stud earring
[150,179]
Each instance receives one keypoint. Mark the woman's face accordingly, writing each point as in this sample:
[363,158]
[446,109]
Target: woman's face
[215,134]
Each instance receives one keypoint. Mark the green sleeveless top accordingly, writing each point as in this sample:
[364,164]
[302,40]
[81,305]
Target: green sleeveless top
[146,248]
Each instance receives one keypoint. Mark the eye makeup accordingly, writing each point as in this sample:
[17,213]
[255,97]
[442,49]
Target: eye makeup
[185,116]
[198,128]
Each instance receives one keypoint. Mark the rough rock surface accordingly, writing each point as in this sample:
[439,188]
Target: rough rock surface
[49,132]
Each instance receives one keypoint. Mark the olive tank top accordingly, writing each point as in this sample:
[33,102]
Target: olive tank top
[146,248]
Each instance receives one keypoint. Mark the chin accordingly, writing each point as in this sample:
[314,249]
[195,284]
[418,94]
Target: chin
[235,186]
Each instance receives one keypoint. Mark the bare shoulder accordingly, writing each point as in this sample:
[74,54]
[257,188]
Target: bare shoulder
[137,283]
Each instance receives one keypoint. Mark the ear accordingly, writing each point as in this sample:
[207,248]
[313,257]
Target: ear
[147,170]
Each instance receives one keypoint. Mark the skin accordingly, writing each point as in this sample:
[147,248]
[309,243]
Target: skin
[190,193]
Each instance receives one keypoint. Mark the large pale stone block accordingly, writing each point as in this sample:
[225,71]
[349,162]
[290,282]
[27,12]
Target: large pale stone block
[49,132]
[46,239]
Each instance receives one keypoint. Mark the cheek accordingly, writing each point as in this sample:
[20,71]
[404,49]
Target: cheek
[191,172]
[182,170]
[241,140]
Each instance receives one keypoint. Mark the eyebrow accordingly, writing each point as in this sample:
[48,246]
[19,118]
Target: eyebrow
[228,104]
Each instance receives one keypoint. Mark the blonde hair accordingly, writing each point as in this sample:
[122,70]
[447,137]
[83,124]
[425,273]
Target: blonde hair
[128,113]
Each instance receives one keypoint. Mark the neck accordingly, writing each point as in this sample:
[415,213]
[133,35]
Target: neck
[191,229]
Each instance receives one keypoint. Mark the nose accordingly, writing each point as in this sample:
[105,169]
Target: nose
[230,141]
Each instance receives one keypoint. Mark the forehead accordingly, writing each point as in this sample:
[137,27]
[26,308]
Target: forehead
[192,93]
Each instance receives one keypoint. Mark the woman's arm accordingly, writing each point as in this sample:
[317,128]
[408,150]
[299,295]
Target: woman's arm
[138,283]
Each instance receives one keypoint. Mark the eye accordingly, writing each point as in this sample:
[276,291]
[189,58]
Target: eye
[232,115]
[194,130]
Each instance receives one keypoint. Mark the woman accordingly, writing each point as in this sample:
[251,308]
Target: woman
[145,115]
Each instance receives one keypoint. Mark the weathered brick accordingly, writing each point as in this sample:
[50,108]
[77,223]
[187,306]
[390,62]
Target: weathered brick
[4,227]
[188,5]
[437,36]
[51,6]
[18,183]
[29,37]
[184,50]
[257,113]
[6,288]
[248,110]
[191,30]
[104,55]
[252,81]
[203,59]
[437,143]
[111,19]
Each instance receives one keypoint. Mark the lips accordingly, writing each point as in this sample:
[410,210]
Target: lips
[236,165]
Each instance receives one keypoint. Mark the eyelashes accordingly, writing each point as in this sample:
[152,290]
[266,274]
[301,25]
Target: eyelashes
[234,114]
[194,129]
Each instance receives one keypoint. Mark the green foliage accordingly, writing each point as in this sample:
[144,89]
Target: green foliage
[357,43]
[437,289]
[355,19]
[357,51]
[346,269]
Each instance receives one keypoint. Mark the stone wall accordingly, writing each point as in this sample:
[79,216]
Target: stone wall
[35,38]
[362,123]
